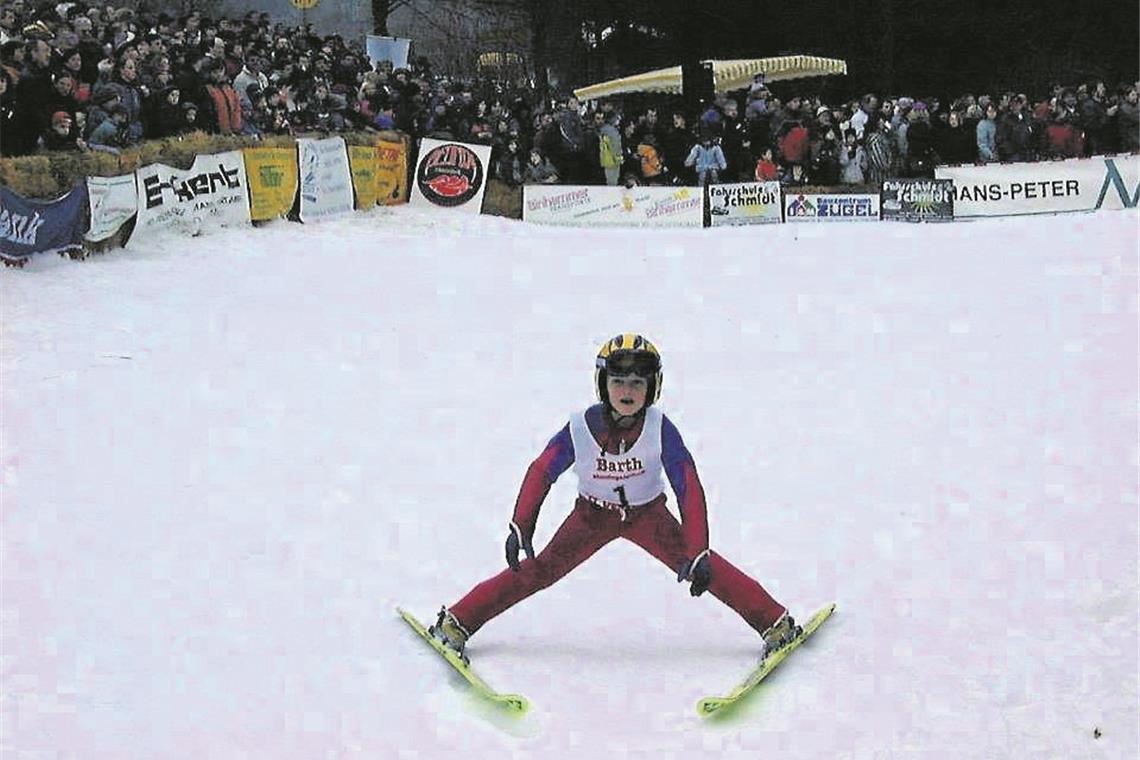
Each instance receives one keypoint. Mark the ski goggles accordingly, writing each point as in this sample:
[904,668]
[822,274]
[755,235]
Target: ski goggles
[640,363]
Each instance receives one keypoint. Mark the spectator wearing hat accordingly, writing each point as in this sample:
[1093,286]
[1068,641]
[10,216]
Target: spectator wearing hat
[114,134]
[190,121]
[100,109]
[61,134]
[824,148]
[758,95]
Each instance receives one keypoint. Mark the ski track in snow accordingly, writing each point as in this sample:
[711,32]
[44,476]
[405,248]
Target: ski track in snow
[227,459]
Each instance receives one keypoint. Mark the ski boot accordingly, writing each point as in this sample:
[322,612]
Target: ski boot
[780,634]
[451,633]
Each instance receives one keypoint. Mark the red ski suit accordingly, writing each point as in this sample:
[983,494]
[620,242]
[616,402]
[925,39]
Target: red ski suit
[589,527]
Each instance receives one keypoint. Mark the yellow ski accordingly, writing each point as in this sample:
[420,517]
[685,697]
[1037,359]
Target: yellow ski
[710,705]
[513,702]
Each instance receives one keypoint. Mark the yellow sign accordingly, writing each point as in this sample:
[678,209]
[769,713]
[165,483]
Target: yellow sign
[304,5]
[392,173]
[272,174]
[363,163]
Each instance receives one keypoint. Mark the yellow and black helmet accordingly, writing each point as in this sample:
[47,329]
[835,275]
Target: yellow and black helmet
[628,354]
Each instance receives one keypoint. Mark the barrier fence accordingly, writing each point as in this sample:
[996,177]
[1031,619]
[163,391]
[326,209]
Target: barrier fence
[325,178]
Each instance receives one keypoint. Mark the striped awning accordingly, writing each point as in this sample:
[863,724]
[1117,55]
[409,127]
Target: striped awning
[727,75]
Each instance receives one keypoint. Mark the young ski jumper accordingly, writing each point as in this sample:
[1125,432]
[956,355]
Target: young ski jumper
[620,449]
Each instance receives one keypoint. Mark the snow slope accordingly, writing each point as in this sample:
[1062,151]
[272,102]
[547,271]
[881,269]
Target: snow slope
[226,459]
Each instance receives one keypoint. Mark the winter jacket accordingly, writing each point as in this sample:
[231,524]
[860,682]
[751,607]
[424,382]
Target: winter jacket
[1128,126]
[226,109]
[543,173]
[609,147]
[110,135]
[131,99]
[1015,137]
[705,157]
[793,144]
[956,145]
[986,136]
[508,169]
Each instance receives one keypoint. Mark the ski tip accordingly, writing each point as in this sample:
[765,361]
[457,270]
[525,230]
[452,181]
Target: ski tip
[711,705]
[516,703]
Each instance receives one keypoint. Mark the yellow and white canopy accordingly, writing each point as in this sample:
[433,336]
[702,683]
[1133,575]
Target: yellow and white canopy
[727,75]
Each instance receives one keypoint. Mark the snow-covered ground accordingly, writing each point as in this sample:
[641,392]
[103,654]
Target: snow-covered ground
[227,459]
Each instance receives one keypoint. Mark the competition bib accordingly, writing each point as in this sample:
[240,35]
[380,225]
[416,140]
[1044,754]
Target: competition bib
[631,478]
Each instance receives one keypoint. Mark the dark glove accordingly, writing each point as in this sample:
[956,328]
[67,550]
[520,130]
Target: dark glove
[515,540]
[698,572]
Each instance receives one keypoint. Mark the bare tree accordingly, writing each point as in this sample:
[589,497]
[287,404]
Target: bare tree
[381,9]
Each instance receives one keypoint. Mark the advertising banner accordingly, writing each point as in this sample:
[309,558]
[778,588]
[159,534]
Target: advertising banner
[1076,184]
[746,203]
[326,182]
[831,207]
[918,200]
[605,206]
[211,193]
[113,200]
[394,49]
[28,227]
[272,176]
[364,162]
[451,175]
[391,173]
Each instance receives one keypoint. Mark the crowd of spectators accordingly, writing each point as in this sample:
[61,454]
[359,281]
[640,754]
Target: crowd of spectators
[76,76]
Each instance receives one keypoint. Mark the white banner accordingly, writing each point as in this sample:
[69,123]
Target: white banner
[602,205]
[746,203]
[113,201]
[451,175]
[394,49]
[1076,184]
[831,207]
[211,193]
[326,181]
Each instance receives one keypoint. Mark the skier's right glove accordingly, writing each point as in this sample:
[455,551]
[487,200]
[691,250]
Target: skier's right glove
[698,572]
[515,540]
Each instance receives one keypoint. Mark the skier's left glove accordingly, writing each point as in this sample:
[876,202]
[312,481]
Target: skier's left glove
[515,541]
[698,571]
